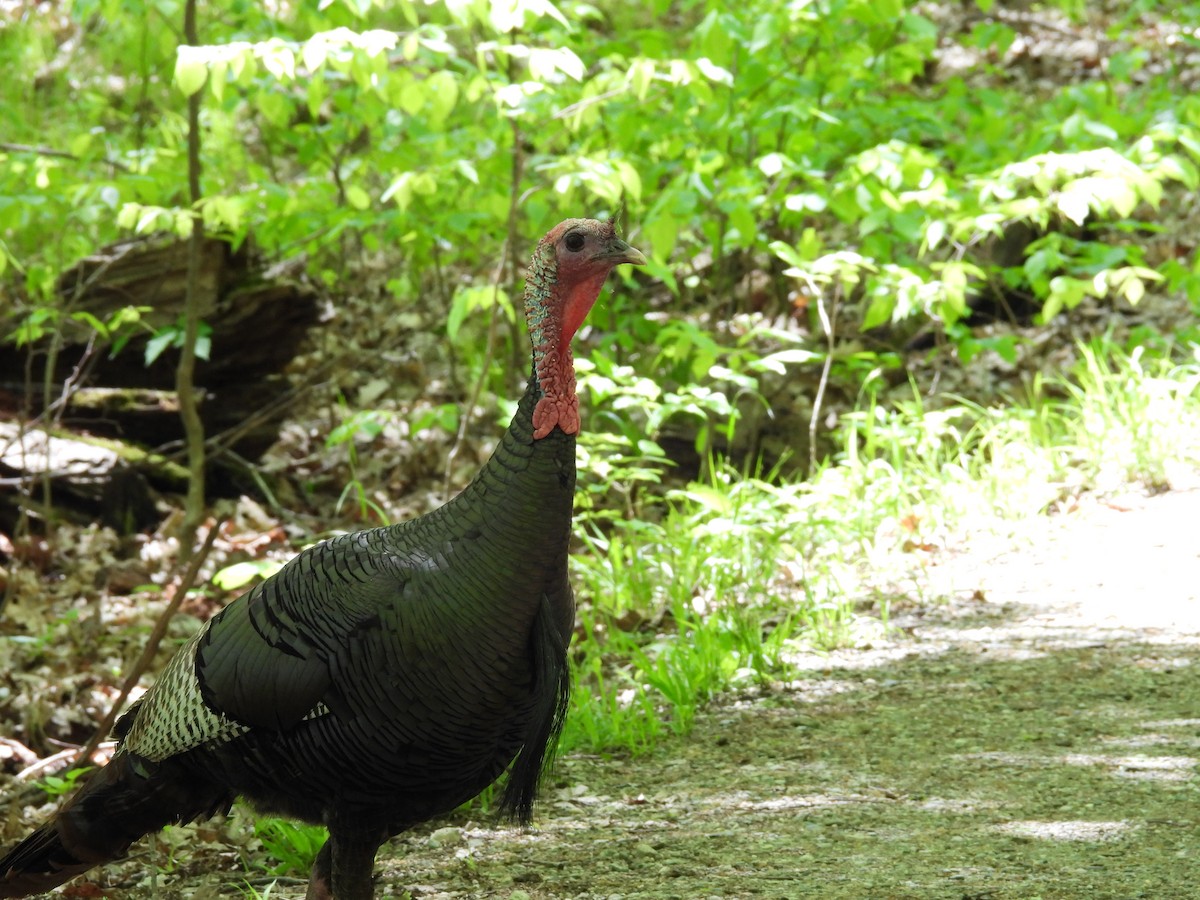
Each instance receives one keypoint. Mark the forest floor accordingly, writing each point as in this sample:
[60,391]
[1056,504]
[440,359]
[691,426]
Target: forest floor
[1029,729]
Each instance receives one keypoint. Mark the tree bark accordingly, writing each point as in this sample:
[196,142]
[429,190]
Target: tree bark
[189,411]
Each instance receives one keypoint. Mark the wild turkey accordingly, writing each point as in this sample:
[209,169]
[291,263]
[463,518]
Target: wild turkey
[382,677]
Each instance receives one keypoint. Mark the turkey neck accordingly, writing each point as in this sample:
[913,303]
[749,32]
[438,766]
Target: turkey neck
[527,477]
[529,481]
[508,532]
[518,507]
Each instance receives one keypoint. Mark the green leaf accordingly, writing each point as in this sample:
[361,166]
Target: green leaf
[662,232]
[413,96]
[543,63]
[509,15]
[366,423]
[806,202]
[92,322]
[788,254]
[470,299]
[81,143]
[314,53]
[810,245]
[156,346]
[641,74]
[772,164]
[954,284]
[778,361]
[630,180]
[444,417]
[33,328]
[1122,65]
[191,70]
[1074,205]
[410,13]
[713,72]
[182,222]
[220,74]
[274,107]
[401,190]
[1133,290]
[315,96]
[425,184]
[278,59]
[443,95]
[935,232]
[883,303]
[147,216]
[1065,292]
[919,28]
[357,197]
[240,574]
[467,169]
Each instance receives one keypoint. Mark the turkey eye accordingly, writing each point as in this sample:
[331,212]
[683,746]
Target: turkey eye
[574,242]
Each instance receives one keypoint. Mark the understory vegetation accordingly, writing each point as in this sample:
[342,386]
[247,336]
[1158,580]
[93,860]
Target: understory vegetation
[734,573]
[917,271]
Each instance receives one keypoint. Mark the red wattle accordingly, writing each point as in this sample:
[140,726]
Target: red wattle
[577,305]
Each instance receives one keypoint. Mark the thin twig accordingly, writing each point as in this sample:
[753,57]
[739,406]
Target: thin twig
[507,254]
[156,636]
[70,384]
[567,111]
[19,751]
[221,441]
[56,762]
[828,319]
[57,154]
[464,419]
[185,372]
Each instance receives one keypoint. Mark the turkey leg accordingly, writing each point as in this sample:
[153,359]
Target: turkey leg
[342,870]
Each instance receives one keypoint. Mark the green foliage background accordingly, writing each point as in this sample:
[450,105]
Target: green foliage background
[806,135]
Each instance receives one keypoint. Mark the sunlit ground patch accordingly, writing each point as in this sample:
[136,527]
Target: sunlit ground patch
[1066,831]
[1136,766]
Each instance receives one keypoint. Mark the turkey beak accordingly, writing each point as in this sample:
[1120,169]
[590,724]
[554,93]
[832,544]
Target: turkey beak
[620,252]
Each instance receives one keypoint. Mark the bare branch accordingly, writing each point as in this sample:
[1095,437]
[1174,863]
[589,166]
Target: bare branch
[156,636]
[58,154]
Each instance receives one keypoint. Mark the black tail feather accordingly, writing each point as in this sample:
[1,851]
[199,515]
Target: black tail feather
[553,679]
[119,804]
[39,863]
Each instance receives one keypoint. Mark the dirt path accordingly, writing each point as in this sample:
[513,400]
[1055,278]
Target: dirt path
[1036,736]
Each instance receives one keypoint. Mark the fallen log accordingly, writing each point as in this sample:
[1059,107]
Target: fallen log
[259,318]
[82,478]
